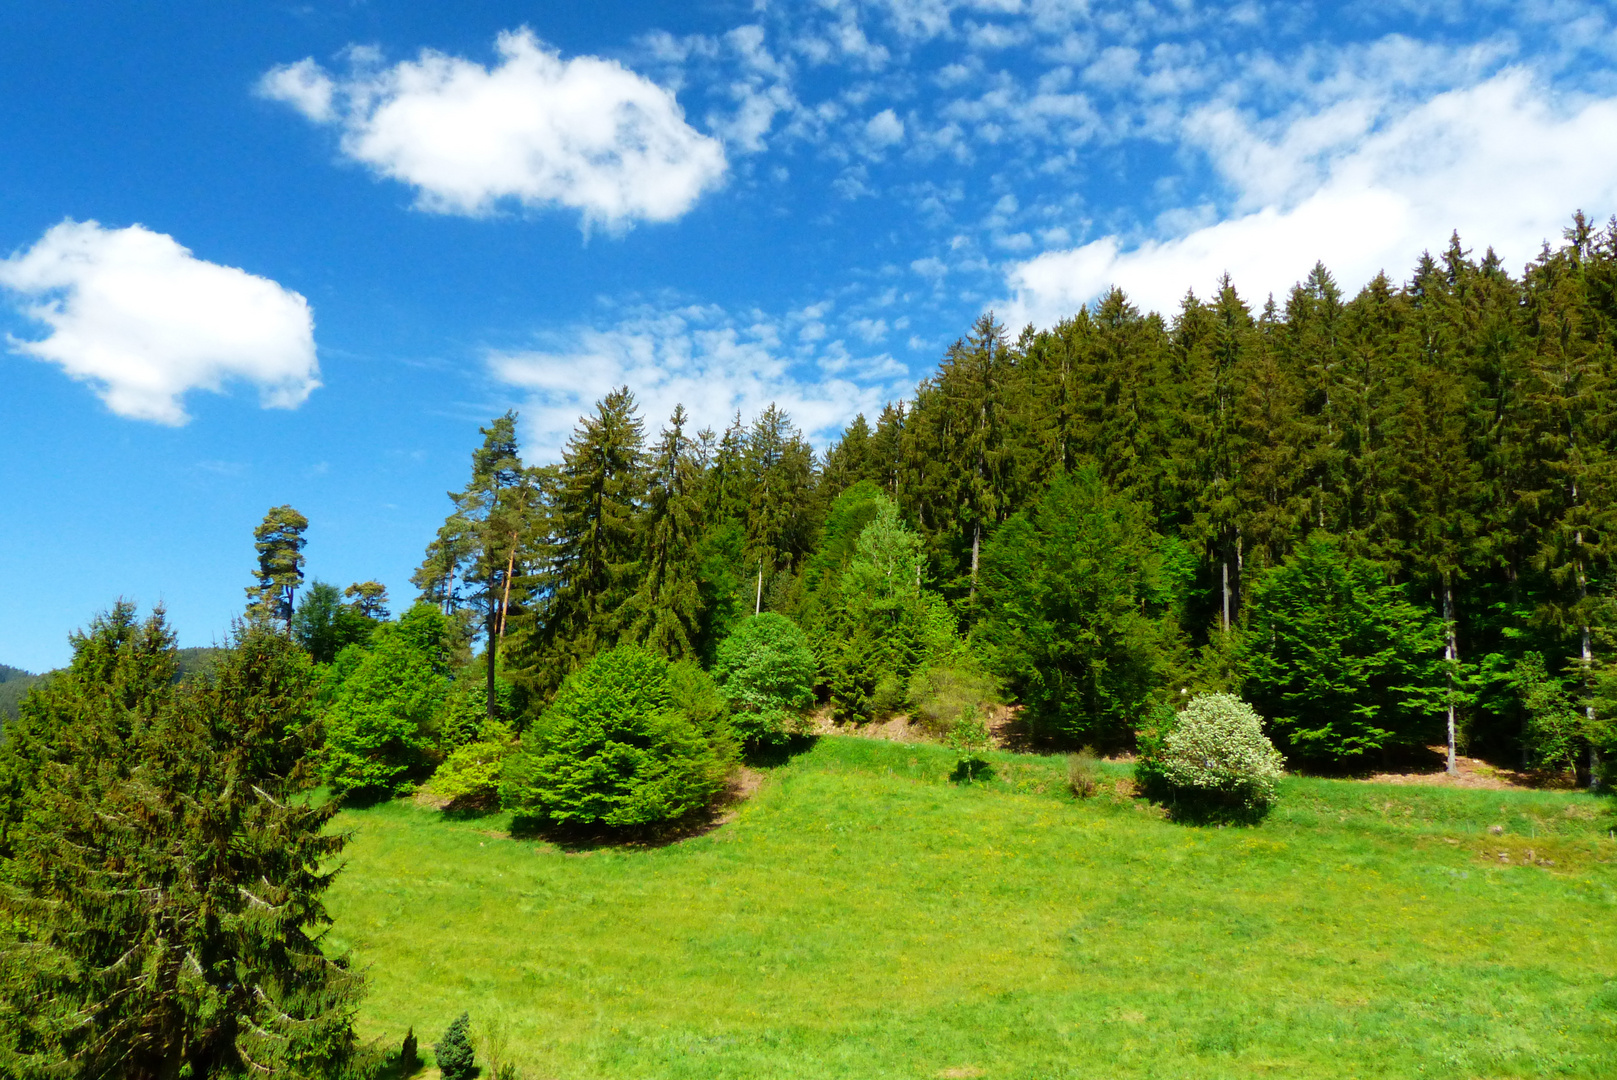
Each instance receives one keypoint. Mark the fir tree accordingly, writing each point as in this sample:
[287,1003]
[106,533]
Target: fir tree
[164,877]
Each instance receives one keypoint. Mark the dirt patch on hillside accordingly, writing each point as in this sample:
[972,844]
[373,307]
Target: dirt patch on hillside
[1473,773]
[1001,723]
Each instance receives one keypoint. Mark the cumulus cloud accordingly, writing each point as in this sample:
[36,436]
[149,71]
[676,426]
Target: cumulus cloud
[704,358]
[534,130]
[1499,162]
[144,321]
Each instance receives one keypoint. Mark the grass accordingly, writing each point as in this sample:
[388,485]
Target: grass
[864,917]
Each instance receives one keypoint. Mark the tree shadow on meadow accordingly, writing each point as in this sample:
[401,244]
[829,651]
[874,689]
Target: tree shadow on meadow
[577,839]
[774,755]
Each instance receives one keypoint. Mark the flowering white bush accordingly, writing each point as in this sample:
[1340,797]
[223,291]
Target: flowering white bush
[1218,749]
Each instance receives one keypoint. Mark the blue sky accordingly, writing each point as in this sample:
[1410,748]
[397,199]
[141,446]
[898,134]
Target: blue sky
[271,253]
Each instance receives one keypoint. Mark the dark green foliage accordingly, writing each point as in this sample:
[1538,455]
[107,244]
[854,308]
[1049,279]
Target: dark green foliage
[8,673]
[1338,659]
[453,1052]
[766,670]
[409,1053]
[380,723]
[324,625]
[667,608]
[616,748]
[589,559]
[163,869]
[1065,616]
[13,690]
[877,623]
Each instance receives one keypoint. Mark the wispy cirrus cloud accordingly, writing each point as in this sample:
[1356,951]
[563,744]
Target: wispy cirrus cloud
[533,130]
[145,321]
[712,361]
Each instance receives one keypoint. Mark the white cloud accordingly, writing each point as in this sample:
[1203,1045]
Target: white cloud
[145,321]
[535,129]
[704,358]
[884,129]
[1499,162]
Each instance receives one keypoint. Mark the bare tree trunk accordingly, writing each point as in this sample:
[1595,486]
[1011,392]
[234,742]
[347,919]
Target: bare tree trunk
[1451,653]
[758,604]
[1224,566]
[976,548]
[505,600]
[1589,714]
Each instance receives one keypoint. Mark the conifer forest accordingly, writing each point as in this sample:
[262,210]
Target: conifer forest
[1156,602]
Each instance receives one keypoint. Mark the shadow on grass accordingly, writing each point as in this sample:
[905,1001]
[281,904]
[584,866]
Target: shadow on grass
[576,838]
[972,770]
[774,755]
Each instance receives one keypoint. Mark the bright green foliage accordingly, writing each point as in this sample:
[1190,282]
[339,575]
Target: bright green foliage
[324,625]
[471,772]
[1557,730]
[379,727]
[454,1051]
[766,669]
[1065,616]
[968,737]
[615,749]
[1216,754]
[882,624]
[1338,659]
[163,872]
[279,540]
[461,717]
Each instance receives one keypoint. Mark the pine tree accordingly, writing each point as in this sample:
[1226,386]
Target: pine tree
[279,540]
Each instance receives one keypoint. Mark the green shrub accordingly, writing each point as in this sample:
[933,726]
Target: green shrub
[940,696]
[454,1050]
[616,749]
[471,773]
[1216,754]
[379,723]
[1083,773]
[1075,607]
[1341,662]
[767,671]
[968,737]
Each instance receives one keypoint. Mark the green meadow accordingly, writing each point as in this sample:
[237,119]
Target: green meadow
[863,916]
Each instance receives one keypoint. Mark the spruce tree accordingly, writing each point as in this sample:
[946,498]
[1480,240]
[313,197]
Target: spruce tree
[163,871]
[667,607]
[591,557]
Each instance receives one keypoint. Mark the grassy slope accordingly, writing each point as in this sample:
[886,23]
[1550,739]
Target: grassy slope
[865,918]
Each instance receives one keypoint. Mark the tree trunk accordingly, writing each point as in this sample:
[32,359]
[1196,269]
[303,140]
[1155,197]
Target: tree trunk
[1224,566]
[1589,714]
[976,548]
[1451,653]
[497,636]
[758,603]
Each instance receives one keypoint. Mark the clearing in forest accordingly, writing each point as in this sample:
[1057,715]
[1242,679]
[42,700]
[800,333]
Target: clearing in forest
[862,916]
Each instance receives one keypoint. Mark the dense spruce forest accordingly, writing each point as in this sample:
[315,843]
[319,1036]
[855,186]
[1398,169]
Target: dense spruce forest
[1384,519]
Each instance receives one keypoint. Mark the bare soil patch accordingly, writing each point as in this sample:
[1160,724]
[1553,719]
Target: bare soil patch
[1473,773]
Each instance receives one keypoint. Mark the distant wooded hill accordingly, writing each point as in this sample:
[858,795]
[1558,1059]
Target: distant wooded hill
[15,682]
